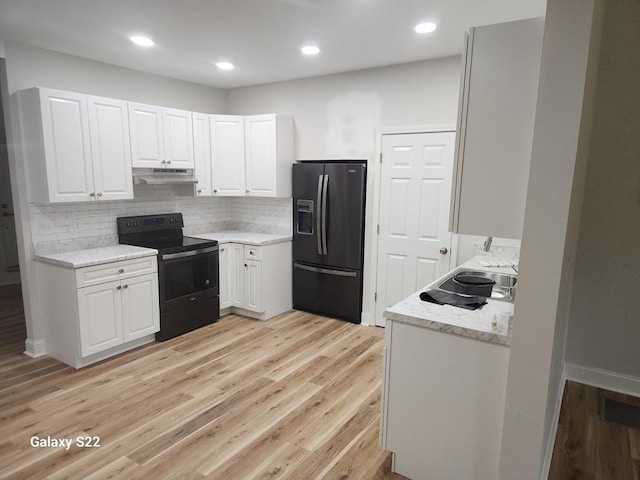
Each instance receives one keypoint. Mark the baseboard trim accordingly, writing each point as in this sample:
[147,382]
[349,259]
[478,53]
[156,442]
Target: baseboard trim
[34,348]
[616,382]
[546,465]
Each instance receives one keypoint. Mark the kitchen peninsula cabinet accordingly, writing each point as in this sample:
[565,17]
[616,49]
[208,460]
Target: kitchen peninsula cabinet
[77,147]
[496,113]
[95,307]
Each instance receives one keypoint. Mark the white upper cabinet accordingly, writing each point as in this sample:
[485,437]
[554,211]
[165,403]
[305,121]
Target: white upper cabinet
[160,137]
[227,151]
[268,155]
[178,138]
[202,153]
[110,148]
[147,146]
[498,93]
[76,146]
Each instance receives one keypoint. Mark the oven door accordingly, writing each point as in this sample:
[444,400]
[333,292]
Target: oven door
[188,277]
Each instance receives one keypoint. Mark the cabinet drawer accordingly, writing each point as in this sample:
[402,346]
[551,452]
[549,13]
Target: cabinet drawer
[252,253]
[108,272]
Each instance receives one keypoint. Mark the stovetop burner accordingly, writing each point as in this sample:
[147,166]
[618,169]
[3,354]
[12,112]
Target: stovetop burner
[162,232]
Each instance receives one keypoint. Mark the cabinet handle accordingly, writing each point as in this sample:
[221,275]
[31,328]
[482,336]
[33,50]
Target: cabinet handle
[246,191]
[125,286]
[163,162]
[99,194]
[121,270]
[215,191]
[168,162]
[118,287]
[246,265]
[222,249]
[92,194]
[199,191]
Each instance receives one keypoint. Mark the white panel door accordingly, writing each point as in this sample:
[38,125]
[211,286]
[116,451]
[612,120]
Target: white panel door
[100,317]
[260,155]
[140,306]
[202,154]
[178,138]
[145,122]
[67,147]
[110,148]
[415,192]
[227,153]
[253,285]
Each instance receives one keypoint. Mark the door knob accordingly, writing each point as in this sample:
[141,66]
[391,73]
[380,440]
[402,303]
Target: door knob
[444,250]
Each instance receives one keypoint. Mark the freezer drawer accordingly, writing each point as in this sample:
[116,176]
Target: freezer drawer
[330,292]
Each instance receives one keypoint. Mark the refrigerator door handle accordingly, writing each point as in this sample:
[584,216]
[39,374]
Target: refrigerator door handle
[318,214]
[324,214]
[328,271]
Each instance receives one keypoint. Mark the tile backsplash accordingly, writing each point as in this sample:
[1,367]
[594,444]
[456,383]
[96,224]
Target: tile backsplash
[67,227]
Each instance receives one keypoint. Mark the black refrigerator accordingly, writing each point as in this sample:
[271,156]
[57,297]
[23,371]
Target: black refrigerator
[328,237]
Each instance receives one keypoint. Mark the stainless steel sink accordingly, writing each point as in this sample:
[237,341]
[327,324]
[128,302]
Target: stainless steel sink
[504,288]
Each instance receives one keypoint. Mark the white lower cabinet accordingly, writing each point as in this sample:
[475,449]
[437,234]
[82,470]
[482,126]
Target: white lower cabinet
[443,403]
[255,281]
[88,321]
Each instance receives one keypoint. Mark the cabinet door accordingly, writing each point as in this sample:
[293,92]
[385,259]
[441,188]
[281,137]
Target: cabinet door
[100,317]
[496,116]
[145,122]
[237,277]
[140,306]
[253,285]
[202,154]
[178,138]
[260,155]
[227,276]
[227,152]
[110,148]
[67,147]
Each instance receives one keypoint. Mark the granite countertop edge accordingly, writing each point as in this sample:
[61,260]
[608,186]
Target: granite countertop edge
[449,319]
[95,256]
[246,238]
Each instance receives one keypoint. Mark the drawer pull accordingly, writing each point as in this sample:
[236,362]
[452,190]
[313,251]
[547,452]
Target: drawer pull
[118,287]
[121,270]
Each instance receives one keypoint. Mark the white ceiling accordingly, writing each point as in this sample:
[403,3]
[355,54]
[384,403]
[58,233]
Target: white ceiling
[261,37]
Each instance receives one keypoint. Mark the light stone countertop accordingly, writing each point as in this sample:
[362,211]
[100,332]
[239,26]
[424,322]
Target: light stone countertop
[96,256]
[247,238]
[475,324]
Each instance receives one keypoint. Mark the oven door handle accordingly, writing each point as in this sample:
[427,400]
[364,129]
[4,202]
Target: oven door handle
[190,253]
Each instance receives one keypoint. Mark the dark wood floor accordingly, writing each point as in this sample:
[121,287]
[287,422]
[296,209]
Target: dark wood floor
[296,397]
[587,447]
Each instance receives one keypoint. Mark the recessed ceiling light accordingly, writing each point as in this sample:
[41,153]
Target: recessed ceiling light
[310,50]
[426,27]
[225,66]
[141,41]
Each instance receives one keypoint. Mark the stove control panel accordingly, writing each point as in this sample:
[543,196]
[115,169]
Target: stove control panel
[149,223]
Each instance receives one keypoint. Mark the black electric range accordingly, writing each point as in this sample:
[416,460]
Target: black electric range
[188,275]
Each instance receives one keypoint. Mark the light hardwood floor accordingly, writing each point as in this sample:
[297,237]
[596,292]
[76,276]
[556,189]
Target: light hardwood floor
[587,447]
[296,397]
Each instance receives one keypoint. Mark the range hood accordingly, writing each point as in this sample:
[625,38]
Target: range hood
[163,177]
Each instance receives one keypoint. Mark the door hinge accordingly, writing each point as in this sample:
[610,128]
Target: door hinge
[375,297]
[380,157]
[378,230]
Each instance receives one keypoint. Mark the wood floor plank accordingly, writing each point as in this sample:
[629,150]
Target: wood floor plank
[228,401]
[587,447]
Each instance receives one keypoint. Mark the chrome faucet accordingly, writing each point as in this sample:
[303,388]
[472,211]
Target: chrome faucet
[487,244]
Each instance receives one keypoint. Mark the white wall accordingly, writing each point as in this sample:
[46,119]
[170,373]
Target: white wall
[604,330]
[336,116]
[551,226]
